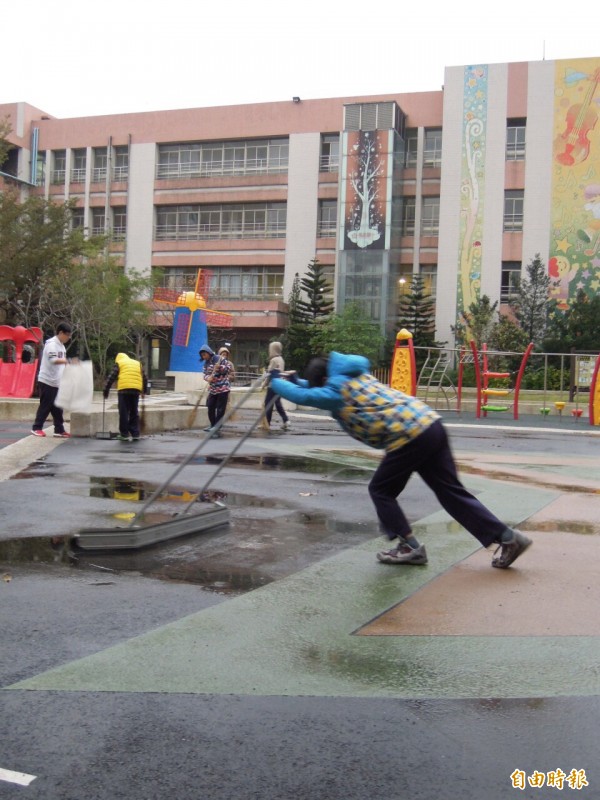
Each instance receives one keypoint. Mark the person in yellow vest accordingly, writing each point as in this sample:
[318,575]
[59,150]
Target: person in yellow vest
[131,383]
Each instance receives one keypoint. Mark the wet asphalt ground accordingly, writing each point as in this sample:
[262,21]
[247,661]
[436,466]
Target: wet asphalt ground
[225,665]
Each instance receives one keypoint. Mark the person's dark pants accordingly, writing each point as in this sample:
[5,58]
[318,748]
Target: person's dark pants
[431,457]
[129,418]
[46,406]
[277,404]
[216,405]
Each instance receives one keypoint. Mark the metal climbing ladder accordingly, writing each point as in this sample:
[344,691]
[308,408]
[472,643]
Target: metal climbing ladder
[435,382]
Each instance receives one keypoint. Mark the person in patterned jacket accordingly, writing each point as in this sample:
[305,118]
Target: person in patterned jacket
[414,440]
[217,372]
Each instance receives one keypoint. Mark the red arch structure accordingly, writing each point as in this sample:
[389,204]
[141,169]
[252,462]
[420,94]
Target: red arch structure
[485,392]
[18,360]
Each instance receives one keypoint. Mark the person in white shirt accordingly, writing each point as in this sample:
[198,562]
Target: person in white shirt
[54,359]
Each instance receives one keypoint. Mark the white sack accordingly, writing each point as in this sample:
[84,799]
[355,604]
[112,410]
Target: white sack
[76,389]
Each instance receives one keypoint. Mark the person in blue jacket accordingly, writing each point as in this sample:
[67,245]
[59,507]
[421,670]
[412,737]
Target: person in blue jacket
[414,440]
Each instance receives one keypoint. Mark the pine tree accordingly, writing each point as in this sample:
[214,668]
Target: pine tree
[417,313]
[531,304]
[478,323]
[296,339]
[317,290]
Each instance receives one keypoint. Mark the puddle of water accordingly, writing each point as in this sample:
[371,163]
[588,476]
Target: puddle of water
[37,469]
[249,553]
[331,469]
[136,491]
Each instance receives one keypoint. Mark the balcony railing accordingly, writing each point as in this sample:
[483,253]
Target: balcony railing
[58,176]
[200,232]
[326,229]
[98,174]
[78,175]
[120,173]
[258,166]
[329,164]
[513,223]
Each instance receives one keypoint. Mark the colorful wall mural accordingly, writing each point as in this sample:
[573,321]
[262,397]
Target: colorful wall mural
[574,261]
[475,96]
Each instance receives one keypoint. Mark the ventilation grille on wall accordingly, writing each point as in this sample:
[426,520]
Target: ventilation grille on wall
[373,117]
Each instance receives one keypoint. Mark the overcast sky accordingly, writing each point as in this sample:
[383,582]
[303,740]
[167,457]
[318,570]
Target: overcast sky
[74,58]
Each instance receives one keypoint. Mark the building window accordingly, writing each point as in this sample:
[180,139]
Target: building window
[513,210]
[100,155]
[432,156]
[119,224]
[429,274]
[409,208]
[430,216]
[243,221]
[247,283]
[511,277]
[207,159]
[121,163]
[327,225]
[98,222]
[78,165]
[40,168]
[59,166]
[330,153]
[411,147]
[77,218]
[404,280]
[515,140]
[179,278]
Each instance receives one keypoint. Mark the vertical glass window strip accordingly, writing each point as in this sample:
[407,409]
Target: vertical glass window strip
[98,222]
[404,280]
[119,227]
[515,140]
[327,225]
[432,155]
[100,164]
[59,166]
[430,216]
[411,147]
[78,165]
[513,210]
[429,274]
[511,276]
[76,218]
[41,168]
[330,153]
[409,208]
[121,163]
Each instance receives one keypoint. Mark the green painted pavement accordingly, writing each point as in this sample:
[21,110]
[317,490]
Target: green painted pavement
[294,637]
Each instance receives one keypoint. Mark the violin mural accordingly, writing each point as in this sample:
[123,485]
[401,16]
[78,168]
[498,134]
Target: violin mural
[573,145]
[574,252]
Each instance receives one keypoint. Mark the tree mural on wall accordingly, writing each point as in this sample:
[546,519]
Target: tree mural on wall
[365,214]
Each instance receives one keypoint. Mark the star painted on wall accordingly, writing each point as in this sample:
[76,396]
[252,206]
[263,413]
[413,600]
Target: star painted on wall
[563,245]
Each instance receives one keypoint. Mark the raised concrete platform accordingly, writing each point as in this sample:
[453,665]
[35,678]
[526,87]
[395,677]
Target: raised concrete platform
[166,411]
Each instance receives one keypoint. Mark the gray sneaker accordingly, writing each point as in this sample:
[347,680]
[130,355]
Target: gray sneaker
[404,554]
[511,550]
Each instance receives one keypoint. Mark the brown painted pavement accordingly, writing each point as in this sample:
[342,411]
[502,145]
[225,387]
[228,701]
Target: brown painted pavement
[537,600]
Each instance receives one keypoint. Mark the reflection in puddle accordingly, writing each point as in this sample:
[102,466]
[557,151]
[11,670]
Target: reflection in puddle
[249,553]
[287,463]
